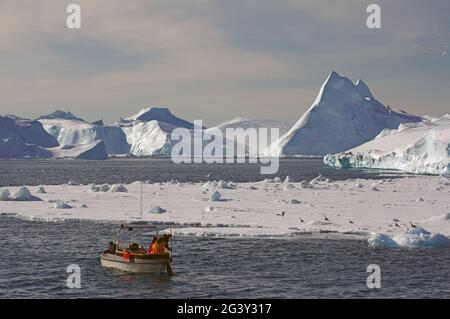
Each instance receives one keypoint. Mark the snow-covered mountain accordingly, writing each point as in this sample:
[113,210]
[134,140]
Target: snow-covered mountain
[61,115]
[160,114]
[149,138]
[92,151]
[343,116]
[27,131]
[422,148]
[148,132]
[13,147]
[245,123]
[71,130]
[22,138]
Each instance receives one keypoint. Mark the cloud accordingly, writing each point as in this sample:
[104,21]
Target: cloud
[223,58]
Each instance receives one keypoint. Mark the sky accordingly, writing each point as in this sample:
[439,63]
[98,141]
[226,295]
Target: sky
[218,59]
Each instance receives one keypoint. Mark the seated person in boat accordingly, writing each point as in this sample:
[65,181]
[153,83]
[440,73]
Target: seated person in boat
[160,246]
[166,239]
[151,249]
[111,248]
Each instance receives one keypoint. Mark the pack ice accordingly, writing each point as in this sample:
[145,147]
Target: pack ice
[422,148]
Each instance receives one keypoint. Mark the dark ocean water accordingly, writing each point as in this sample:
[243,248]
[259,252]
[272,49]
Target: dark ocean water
[35,172]
[36,254]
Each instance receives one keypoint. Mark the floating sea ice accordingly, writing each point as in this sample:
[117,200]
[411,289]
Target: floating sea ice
[206,186]
[156,210]
[444,181]
[277,180]
[380,240]
[117,188]
[40,190]
[419,237]
[23,194]
[413,238]
[72,183]
[287,179]
[61,205]
[319,179]
[225,185]
[306,184]
[289,186]
[5,194]
[99,188]
[439,218]
[215,196]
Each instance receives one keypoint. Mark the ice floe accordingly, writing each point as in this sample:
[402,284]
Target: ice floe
[413,238]
[255,206]
[156,210]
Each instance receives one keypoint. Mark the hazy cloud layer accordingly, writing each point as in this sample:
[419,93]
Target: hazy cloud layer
[218,59]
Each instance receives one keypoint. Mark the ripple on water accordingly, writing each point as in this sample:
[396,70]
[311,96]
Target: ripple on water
[34,265]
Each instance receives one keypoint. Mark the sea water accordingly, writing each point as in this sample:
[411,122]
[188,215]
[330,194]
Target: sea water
[35,257]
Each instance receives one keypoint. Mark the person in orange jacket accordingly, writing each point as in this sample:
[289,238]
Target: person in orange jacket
[151,248]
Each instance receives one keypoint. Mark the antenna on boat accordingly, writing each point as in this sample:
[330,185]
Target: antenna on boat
[141,201]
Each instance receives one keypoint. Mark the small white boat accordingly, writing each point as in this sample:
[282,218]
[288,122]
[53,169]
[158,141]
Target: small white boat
[135,259]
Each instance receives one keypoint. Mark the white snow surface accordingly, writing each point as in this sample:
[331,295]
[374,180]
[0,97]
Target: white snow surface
[421,148]
[254,209]
[343,116]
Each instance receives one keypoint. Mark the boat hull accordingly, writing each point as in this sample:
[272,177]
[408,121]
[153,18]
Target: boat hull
[134,265]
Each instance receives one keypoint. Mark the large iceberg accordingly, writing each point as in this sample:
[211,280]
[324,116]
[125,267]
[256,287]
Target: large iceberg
[343,116]
[92,151]
[149,138]
[159,114]
[245,124]
[13,147]
[148,132]
[70,130]
[26,131]
[421,148]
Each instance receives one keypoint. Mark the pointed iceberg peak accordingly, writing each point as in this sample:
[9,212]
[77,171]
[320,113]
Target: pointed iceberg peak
[151,113]
[334,76]
[334,86]
[337,82]
[363,89]
[61,115]
[160,114]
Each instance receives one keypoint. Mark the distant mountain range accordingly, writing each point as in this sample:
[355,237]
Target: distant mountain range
[343,116]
